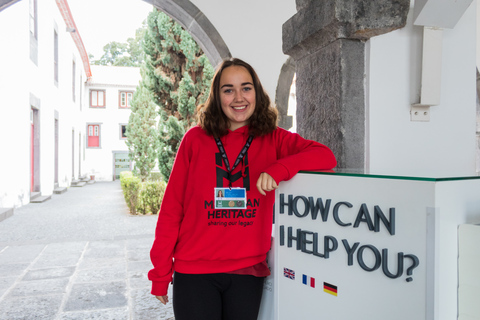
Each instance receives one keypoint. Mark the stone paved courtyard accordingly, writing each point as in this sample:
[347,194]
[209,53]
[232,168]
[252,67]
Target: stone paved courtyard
[78,256]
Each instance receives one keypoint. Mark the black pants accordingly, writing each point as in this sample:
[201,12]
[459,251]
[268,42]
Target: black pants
[218,296]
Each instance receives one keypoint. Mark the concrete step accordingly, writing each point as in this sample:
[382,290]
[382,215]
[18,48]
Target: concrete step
[91,182]
[74,182]
[5,213]
[79,184]
[34,195]
[60,190]
[40,199]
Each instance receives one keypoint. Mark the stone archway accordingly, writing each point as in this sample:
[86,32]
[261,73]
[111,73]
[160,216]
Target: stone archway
[282,93]
[198,25]
[6,3]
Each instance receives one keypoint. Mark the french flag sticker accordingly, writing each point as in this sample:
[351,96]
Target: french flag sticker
[309,281]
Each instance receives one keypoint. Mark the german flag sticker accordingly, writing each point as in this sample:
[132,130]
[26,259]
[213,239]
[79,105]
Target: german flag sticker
[330,288]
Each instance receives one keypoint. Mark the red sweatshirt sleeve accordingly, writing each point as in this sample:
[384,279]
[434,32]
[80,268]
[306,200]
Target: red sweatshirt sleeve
[168,223]
[295,153]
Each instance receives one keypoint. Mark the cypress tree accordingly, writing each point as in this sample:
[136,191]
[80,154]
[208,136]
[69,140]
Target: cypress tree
[178,74]
[141,132]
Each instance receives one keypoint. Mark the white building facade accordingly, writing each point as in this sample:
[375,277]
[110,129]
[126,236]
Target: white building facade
[43,69]
[51,131]
[106,116]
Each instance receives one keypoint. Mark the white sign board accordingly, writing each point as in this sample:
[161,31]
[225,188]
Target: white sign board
[352,248]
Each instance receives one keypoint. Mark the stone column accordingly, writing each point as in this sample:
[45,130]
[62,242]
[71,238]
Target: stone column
[327,41]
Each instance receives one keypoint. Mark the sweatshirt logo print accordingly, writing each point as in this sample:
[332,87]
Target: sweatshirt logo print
[223,174]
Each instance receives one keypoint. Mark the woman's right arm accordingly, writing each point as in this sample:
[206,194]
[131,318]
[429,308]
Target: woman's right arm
[169,220]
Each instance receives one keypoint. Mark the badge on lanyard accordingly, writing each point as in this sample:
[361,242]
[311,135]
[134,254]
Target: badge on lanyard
[231,198]
[234,198]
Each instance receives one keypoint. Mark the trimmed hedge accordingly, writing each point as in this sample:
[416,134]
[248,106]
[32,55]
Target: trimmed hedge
[142,197]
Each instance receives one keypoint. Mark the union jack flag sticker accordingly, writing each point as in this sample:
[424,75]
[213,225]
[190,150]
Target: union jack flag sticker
[289,273]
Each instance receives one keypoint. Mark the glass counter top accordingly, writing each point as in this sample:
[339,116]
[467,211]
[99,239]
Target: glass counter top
[446,175]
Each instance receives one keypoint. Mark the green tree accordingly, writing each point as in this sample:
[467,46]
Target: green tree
[178,74]
[141,132]
[129,54]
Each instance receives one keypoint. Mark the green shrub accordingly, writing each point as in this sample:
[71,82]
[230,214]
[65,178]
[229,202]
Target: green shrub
[131,187]
[142,197]
[154,191]
[142,203]
[155,176]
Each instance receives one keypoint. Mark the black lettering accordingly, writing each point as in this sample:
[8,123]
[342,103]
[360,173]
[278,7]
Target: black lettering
[335,213]
[306,207]
[385,264]
[350,250]
[211,214]
[389,224]
[315,207]
[304,241]
[361,262]
[282,235]
[315,246]
[327,240]
[288,204]
[224,213]
[291,238]
[240,214]
[364,216]
[256,203]
[248,213]
[209,204]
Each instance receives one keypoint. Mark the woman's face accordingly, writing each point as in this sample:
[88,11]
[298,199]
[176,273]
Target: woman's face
[237,96]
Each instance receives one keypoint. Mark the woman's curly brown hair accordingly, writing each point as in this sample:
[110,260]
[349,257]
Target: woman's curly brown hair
[211,118]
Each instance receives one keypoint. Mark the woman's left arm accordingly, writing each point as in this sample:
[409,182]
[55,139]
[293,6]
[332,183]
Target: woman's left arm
[295,153]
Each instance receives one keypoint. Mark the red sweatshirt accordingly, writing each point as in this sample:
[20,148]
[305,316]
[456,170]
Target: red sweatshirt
[193,237]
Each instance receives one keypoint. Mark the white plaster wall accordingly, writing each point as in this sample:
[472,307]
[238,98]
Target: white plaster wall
[15,114]
[19,78]
[252,30]
[447,141]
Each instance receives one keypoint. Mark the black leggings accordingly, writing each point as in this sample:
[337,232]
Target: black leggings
[217,296]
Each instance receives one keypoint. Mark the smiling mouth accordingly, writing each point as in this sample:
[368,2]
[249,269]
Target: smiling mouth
[239,108]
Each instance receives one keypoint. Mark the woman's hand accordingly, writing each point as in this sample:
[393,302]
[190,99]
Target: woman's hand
[163,299]
[266,183]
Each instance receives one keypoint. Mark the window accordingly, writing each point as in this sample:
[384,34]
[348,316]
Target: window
[97,98]
[33,27]
[93,136]
[125,99]
[33,18]
[123,130]
[55,56]
[73,81]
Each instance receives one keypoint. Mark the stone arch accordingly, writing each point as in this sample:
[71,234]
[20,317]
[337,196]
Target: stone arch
[6,3]
[198,25]
[282,93]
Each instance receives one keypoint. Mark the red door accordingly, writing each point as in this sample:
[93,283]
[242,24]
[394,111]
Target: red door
[32,167]
[93,136]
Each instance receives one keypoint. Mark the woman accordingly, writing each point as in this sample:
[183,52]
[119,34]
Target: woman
[218,255]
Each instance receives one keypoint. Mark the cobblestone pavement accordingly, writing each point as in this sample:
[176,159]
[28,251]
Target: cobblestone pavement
[78,256]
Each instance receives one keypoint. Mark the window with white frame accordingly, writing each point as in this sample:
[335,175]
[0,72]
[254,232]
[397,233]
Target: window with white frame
[97,98]
[125,99]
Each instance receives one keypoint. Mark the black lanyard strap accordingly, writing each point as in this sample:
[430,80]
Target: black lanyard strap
[239,158]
